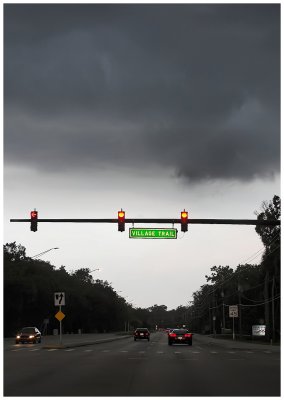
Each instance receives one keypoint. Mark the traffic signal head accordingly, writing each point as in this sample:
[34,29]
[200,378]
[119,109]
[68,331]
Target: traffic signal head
[121,221]
[34,215]
[184,220]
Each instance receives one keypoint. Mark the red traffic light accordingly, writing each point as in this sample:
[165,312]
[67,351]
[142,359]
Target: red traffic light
[34,215]
[121,220]
[184,221]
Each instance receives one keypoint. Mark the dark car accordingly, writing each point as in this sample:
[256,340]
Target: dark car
[180,336]
[142,333]
[29,334]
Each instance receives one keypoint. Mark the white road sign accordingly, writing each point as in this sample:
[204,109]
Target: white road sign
[59,299]
[258,330]
[233,311]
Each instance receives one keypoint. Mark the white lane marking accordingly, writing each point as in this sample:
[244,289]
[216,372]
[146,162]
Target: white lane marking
[200,348]
[195,352]
[231,352]
[69,349]
[88,350]
[267,351]
[17,349]
[123,351]
[34,350]
[52,350]
[213,352]
[160,352]
[177,352]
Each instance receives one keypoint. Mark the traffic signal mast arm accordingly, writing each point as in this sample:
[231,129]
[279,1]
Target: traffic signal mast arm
[159,221]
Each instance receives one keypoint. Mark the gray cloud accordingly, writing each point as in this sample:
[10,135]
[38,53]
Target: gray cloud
[193,87]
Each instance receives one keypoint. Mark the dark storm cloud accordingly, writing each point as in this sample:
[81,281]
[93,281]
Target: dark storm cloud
[192,87]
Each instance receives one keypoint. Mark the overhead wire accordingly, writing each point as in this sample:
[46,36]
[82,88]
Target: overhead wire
[260,304]
[252,257]
[216,286]
[232,275]
[200,314]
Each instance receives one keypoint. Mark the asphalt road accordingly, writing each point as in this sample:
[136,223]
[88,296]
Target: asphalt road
[142,368]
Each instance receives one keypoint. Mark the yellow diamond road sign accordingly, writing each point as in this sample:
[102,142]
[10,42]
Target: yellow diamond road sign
[60,315]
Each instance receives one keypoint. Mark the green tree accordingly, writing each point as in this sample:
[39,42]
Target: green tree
[14,252]
[270,236]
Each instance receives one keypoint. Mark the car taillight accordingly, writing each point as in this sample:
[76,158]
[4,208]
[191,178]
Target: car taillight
[187,335]
[173,334]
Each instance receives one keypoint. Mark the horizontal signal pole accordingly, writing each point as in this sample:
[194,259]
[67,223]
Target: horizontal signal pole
[162,221]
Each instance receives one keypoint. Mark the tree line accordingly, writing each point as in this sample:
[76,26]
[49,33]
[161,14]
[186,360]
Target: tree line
[255,289]
[95,306]
[91,305]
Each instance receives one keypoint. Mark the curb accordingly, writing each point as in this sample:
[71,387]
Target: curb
[79,344]
[243,345]
[237,344]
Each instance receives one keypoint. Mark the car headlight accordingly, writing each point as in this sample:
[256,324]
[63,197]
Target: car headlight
[31,336]
[18,336]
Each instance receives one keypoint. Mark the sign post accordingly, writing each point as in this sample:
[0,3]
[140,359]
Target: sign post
[59,300]
[233,313]
[214,327]
[60,328]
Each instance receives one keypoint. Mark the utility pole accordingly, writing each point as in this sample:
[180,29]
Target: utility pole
[240,309]
[214,314]
[222,295]
[272,310]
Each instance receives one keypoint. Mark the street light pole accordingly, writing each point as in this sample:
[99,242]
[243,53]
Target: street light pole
[93,270]
[46,251]
[97,269]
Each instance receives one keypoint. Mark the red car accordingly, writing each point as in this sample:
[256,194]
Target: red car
[180,336]
[142,333]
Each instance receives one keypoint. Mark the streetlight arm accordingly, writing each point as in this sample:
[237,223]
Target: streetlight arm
[46,251]
[93,270]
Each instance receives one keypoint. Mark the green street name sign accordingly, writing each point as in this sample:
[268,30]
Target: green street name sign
[145,233]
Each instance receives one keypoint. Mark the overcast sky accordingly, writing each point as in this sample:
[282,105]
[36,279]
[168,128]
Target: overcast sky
[149,108]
